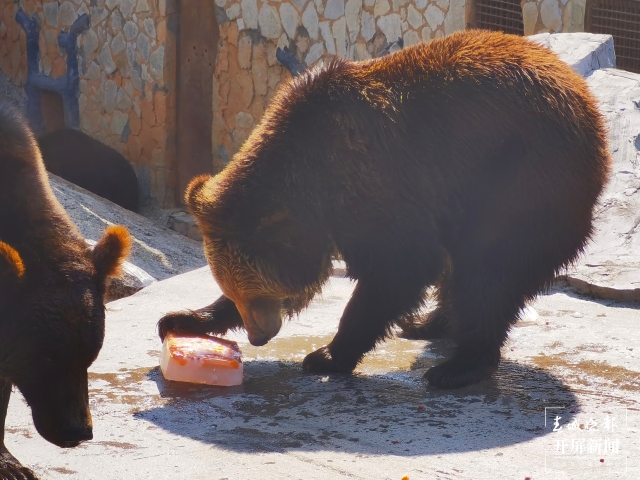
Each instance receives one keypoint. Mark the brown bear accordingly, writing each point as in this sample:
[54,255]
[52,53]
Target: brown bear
[92,165]
[472,163]
[51,307]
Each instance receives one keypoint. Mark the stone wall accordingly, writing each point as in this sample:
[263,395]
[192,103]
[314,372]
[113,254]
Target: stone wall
[553,16]
[127,76]
[248,74]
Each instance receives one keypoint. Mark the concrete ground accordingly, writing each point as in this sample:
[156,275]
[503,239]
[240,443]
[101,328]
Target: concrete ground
[570,356]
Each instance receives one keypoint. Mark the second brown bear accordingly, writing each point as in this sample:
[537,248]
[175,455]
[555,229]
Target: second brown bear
[472,163]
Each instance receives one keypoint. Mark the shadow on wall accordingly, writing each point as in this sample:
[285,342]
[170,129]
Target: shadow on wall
[279,408]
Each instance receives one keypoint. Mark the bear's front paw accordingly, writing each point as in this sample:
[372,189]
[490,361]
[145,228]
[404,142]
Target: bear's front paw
[462,370]
[179,322]
[11,469]
[321,361]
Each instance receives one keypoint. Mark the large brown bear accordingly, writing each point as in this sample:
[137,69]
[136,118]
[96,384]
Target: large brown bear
[472,163]
[51,287]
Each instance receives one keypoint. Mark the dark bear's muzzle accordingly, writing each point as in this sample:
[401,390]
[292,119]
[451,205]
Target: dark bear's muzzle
[262,319]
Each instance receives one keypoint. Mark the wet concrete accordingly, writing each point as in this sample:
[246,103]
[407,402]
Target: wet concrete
[571,357]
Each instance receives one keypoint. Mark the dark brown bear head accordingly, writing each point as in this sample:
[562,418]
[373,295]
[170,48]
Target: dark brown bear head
[267,258]
[52,328]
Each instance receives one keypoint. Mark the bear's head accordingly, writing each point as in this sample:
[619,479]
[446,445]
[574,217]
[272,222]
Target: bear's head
[52,328]
[267,259]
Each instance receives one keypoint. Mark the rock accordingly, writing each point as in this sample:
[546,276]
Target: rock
[315,53]
[106,60]
[118,121]
[143,46]
[143,6]
[250,13]
[339,30]
[89,42]
[391,27]
[130,30]
[233,11]
[244,120]
[381,7]
[585,52]
[290,19]
[455,19]
[427,34]
[123,101]
[551,15]
[411,38]
[132,280]
[299,4]
[269,22]
[352,14]
[334,9]
[67,14]
[126,7]
[150,27]
[110,92]
[434,16]
[310,21]
[51,13]
[244,51]
[156,61]
[443,4]
[420,4]
[118,43]
[530,17]
[368,26]
[325,29]
[414,17]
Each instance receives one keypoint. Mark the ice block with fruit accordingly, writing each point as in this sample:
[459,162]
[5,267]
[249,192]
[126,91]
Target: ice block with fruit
[201,359]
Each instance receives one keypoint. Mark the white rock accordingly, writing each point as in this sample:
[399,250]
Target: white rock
[67,14]
[434,16]
[368,26]
[233,11]
[551,15]
[250,13]
[530,17]
[369,3]
[244,120]
[269,22]
[334,9]
[455,19]
[585,52]
[391,27]
[325,29]
[414,17]
[240,24]
[89,42]
[427,34]
[411,38]
[443,4]
[315,52]
[352,14]
[339,30]
[382,7]
[290,19]
[310,21]
[420,4]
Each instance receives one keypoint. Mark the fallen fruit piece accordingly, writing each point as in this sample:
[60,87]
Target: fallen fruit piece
[201,359]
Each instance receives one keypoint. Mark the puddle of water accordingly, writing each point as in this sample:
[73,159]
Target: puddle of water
[584,370]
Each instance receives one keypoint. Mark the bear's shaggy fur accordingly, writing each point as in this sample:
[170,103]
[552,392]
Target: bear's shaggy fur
[92,165]
[51,287]
[472,163]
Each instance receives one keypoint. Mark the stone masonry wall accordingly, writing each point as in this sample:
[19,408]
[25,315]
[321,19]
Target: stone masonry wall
[247,73]
[553,16]
[127,76]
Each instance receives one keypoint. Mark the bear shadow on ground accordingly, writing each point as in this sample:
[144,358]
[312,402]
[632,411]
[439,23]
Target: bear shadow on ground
[279,409]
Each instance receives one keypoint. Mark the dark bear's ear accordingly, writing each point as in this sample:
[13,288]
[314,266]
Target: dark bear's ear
[193,193]
[11,265]
[110,252]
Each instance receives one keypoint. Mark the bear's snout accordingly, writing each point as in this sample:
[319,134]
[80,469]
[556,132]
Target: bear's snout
[262,318]
[75,436]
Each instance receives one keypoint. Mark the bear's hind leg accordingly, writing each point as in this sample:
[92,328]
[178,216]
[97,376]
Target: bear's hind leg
[217,318]
[435,324]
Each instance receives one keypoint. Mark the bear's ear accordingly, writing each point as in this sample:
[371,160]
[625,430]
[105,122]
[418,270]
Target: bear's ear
[11,265]
[193,193]
[110,252]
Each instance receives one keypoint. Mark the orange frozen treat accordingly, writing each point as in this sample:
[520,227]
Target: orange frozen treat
[201,359]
